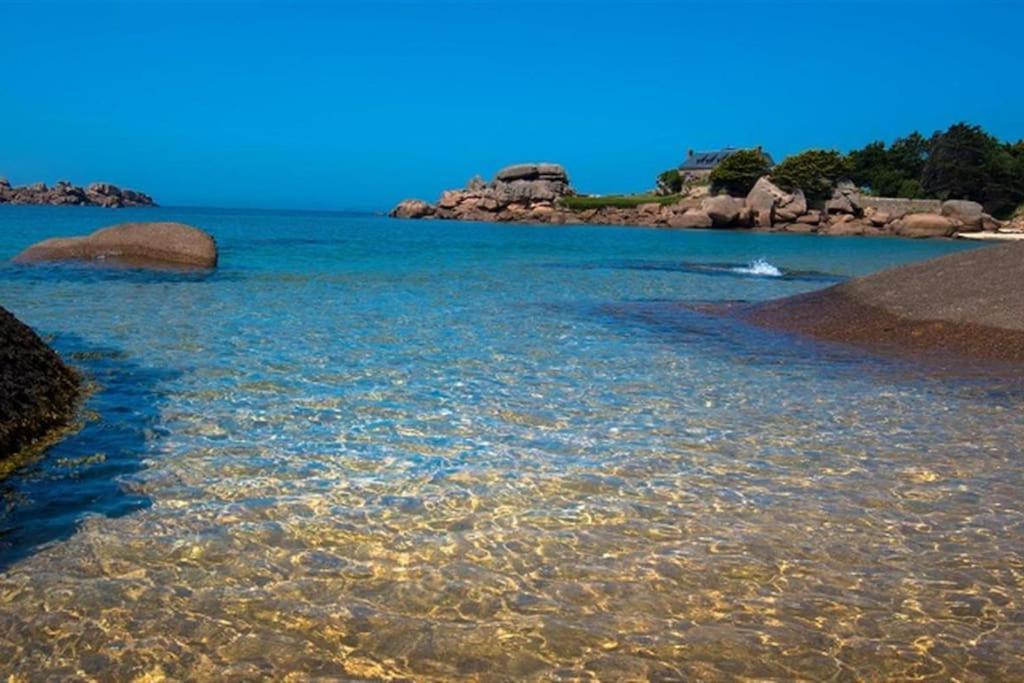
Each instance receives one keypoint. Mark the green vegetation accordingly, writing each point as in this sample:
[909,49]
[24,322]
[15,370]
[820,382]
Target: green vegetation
[815,172]
[962,162]
[965,162]
[670,181]
[738,173]
[618,201]
[891,172]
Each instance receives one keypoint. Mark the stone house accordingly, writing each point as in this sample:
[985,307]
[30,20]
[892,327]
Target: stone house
[699,165]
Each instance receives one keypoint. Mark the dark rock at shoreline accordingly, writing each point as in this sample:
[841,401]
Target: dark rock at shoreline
[66,194]
[38,393]
[969,303]
[147,245]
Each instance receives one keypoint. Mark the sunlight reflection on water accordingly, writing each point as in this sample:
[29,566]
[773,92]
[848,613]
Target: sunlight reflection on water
[380,449]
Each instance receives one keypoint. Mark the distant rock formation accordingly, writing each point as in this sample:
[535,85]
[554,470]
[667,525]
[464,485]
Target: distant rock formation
[146,245]
[38,393]
[533,193]
[968,303]
[66,194]
[519,192]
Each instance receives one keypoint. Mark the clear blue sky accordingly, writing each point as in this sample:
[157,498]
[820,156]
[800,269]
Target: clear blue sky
[348,105]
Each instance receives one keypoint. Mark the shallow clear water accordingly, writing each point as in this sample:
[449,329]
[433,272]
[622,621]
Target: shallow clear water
[367,448]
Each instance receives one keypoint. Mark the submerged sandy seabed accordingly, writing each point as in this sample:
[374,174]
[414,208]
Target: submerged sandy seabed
[365,451]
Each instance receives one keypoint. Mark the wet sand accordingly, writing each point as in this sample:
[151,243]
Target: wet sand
[970,303]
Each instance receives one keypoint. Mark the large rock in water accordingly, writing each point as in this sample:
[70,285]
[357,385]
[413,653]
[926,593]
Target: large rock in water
[148,245]
[968,303]
[412,208]
[38,392]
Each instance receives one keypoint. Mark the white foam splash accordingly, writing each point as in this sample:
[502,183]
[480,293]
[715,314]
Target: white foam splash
[760,267]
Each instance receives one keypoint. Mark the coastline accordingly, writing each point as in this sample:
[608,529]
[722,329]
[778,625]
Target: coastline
[541,194]
[63,193]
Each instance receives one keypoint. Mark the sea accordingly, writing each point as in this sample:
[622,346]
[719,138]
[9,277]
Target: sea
[372,449]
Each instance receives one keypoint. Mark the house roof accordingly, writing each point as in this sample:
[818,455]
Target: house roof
[706,161]
[698,161]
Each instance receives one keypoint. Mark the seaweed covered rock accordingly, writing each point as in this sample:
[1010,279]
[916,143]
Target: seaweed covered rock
[38,392]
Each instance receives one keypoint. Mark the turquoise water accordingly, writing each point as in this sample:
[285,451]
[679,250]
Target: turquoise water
[375,449]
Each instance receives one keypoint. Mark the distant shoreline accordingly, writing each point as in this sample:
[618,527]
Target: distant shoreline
[63,193]
[540,193]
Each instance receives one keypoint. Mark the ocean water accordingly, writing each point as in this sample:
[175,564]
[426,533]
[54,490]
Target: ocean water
[375,449]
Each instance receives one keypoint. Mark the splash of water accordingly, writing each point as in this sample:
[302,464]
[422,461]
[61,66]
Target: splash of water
[761,267]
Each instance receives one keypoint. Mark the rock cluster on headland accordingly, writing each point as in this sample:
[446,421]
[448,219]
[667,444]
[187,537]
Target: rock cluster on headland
[969,303]
[147,245]
[536,193]
[66,194]
[518,192]
[38,393]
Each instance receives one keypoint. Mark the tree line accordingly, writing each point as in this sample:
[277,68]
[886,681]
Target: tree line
[961,162]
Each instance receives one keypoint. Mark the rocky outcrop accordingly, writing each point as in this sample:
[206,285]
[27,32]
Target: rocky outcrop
[968,303]
[723,210]
[413,208]
[146,245]
[692,218]
[66,194]
[762,200]
[38,393]
[969,215]
[925,225]
[534,193]
[521,192]
[845,200]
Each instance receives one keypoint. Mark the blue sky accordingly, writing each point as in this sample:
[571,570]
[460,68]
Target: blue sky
[357,105]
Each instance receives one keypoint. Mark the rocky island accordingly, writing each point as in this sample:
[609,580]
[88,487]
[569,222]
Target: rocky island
[66,194]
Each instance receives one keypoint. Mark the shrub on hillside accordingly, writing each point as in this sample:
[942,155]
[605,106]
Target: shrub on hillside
[815,171]
[670,182]
[739,171]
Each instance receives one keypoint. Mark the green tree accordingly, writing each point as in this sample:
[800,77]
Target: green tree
[866,164]
[670,182]
[965,162]
[739,171]
[886,170]
[815,171]
[956,162]
[910,189]
[908,155]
